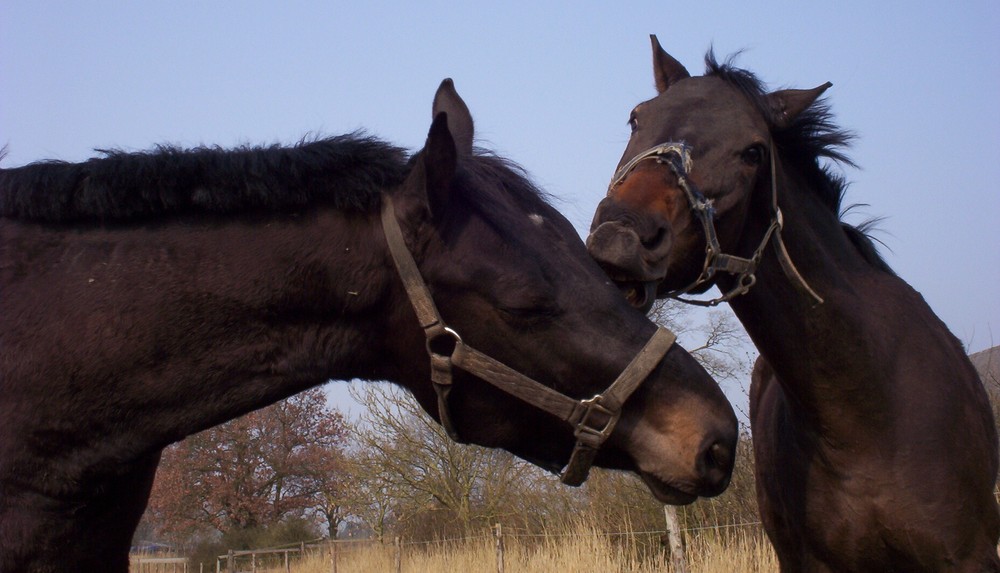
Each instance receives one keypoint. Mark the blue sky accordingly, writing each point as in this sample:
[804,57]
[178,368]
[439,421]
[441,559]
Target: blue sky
[550,85]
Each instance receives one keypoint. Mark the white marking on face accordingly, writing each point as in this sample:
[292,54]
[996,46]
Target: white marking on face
[537,219]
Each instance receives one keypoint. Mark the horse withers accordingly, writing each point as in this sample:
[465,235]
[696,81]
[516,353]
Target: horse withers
[147,296]
[874,442]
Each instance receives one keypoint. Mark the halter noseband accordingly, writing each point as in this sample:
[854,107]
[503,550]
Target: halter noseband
[677,156]
[592,419]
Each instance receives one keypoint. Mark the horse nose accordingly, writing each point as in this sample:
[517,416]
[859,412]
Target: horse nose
[629,245]
[715,465]
[615,246]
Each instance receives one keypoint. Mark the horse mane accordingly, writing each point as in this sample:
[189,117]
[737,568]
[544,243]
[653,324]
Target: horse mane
[347,172]
[812,136]
[494,185]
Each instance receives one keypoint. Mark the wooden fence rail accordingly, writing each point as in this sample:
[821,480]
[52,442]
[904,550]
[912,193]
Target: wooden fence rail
[232,555]
[159,565]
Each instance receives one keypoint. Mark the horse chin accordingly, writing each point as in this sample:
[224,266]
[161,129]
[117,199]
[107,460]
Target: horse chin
[640,295]
[666,493]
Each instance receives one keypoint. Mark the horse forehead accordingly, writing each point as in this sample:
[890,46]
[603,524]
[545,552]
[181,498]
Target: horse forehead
[703,90]
[703,103]
[527,235]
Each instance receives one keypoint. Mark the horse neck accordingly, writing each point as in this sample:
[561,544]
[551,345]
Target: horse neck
[350,315]
[305,301]
[819,352]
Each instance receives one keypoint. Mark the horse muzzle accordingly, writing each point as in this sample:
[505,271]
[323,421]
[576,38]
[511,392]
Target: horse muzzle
[632,248]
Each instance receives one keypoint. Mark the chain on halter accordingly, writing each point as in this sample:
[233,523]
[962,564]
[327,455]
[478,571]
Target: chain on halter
[592,419]
[677,156]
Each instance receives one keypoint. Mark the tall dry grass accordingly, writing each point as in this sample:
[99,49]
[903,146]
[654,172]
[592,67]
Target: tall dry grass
[583,550]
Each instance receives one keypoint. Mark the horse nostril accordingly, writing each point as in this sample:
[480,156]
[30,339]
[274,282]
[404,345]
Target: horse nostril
[719,456]
[716,465]
[656,240]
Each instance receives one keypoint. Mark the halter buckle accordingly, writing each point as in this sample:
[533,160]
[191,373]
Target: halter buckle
[591,431]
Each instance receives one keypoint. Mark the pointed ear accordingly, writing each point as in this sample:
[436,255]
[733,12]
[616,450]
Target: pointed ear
[666,69]
[446,100]
[440,162]
[788,104]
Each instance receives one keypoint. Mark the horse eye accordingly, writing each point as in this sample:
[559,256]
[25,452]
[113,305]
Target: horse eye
[524,316]
[753,155]
[527,312]
[633,122]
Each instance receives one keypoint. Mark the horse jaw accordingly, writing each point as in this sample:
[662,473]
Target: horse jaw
[664,492]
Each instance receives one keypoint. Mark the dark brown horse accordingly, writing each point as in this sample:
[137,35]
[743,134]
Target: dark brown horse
[874,442]
[145,297]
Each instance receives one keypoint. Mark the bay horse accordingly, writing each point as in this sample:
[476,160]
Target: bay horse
[147,296]
[874,443]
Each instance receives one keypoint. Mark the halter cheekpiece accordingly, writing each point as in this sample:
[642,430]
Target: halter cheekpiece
[677,156]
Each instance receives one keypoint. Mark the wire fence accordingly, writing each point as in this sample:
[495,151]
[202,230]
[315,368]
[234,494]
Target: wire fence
[283,558]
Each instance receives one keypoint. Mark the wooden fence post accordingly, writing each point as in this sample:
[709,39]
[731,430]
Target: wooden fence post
[499,536]
[399,555]
[674,539]
[229,562]
[333,556]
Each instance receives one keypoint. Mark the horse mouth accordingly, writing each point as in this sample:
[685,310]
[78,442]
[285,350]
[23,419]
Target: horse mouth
[666,493]
[640,295]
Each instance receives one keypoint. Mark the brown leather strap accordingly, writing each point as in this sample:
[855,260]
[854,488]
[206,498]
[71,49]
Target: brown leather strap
[427,313]
[513,382]
[593,420]
[608,405]
[416,289]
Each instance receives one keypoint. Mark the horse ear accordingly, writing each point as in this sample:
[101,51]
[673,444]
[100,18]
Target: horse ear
[666,69]
[788,104]
[447,100]
[440,161]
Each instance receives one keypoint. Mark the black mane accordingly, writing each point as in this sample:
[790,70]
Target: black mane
[348,172]
[494,185]
[812,136]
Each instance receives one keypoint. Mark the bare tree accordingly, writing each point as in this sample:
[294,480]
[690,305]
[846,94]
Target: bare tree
[371,496]
[439,485]
[410,478]
[718,341]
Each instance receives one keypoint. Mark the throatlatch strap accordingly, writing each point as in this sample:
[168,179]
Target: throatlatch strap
[427,313]
[420,296]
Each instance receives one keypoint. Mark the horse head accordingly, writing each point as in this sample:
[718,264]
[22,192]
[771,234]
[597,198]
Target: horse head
[510,277]
[698,165]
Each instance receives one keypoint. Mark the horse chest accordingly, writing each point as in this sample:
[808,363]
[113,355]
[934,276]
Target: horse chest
[830,509]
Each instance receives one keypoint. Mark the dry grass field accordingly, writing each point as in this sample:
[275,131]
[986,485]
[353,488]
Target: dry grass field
[585,551]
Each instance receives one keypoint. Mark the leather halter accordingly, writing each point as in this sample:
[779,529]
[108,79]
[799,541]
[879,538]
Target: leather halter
[677,156]
[592,419]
